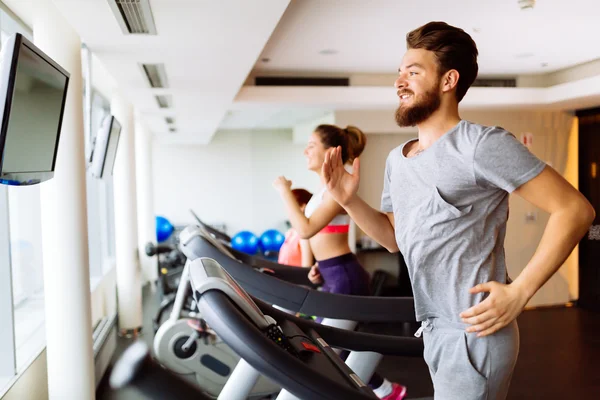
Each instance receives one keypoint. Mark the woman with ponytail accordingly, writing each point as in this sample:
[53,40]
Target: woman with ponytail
[325,224]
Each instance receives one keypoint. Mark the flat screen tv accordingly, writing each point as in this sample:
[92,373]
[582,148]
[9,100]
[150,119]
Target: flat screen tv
[104,153]
[33,90]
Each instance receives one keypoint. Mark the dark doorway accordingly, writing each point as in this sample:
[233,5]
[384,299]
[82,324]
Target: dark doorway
[589,185]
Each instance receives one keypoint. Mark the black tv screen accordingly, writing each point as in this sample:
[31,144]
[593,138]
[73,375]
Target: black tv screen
[105,148]
[33,91]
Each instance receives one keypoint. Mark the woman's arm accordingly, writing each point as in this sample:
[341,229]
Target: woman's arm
[321,217]
[307,254]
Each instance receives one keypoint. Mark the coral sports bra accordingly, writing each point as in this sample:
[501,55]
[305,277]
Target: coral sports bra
[339,224]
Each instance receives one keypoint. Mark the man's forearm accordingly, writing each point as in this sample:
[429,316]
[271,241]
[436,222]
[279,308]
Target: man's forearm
[372,222]
[563,231]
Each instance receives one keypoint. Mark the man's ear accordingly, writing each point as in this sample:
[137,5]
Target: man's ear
[450,80]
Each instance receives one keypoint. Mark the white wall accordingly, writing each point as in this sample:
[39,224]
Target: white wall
[372,164]
[33,383]
[26,240]
[104,296]
[229,180]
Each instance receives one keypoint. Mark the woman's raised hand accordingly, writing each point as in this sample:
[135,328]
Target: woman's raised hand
[340,184]
[282,184]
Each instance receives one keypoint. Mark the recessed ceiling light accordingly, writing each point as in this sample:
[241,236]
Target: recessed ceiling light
[328,52]
[172,129]
[526,4]
[544,64]
[477,30]
[164,100]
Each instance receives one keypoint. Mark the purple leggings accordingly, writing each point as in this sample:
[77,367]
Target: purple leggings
[344,275]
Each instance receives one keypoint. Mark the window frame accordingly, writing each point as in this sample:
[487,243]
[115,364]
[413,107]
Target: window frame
[8,361]
[100,214]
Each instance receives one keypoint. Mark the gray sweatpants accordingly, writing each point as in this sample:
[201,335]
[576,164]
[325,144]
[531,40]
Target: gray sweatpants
[466,367]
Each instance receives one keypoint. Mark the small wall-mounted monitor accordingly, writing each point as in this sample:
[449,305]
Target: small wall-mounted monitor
[104,153]
[33,90]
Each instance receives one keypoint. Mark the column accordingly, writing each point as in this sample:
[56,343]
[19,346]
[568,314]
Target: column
[129,289]
[64,226]
[145,199]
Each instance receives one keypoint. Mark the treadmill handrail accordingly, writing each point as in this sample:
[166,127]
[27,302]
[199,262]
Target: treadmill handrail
[288,273]
[391,345]
[219,235]
[266,356]
[295,275]
[301,299]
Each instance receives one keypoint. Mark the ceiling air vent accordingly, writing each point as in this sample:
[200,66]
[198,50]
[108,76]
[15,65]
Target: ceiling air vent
[134,16]
[156,75]
[299,81]
[164,100]
[494,82]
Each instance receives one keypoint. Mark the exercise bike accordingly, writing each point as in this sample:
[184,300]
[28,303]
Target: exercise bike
[171,262]
[187,346]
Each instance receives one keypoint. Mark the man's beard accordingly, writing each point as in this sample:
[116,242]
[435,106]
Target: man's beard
[420,111]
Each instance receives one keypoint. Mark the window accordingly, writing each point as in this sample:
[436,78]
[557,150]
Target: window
[100,205]
[7,348]
[24,210]
[21,273]
[22,313]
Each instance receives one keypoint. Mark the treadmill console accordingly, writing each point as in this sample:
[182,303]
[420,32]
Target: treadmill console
[206,274]
[187,236]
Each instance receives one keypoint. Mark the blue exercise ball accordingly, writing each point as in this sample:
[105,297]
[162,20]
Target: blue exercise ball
[163,229]
[245,241]
[271,240]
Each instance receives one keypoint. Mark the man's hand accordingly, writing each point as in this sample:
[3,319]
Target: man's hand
[315,275]
[502,306]
[282,184]
[340,184]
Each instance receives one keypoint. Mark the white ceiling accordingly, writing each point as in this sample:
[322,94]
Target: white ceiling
[369,35]
[209,48]
[270,117]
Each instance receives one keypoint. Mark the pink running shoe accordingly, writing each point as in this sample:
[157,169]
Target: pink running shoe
[398,392]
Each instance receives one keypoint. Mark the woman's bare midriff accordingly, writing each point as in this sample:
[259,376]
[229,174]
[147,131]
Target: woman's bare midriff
[329,245]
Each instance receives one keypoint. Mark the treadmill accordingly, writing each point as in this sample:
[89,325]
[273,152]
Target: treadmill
[295,353]
[195,242]
[291,274]
[217,234]
[340,311]
[296,275]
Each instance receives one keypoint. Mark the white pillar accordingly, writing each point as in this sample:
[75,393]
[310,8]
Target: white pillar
[64,226]
[145,198]
[129,289]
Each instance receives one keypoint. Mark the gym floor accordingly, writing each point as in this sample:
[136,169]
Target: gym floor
[559,356]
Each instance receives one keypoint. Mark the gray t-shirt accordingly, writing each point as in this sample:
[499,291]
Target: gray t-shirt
[450,206]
